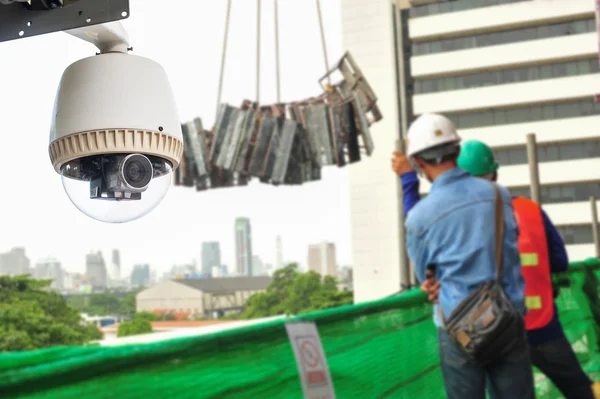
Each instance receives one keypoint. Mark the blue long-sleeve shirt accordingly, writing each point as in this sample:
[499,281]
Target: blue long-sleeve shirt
[559,261]
[450,230]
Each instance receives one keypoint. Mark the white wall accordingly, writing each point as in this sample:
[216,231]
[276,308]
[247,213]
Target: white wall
[498,17]
[570,129]
[571,213]
[368,35]
[499,96]
[505,55]
[580,252]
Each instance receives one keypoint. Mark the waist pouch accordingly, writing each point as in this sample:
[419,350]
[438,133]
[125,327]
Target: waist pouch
[486,325]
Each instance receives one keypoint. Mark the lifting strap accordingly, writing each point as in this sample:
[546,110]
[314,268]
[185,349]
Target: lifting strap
[323,43]
[223,55]
[277,68]
[258,14]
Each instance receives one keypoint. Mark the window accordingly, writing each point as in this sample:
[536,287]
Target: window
[453,6]
[576,234]
[571,109]
[513,75]
[504,37]
[576,192]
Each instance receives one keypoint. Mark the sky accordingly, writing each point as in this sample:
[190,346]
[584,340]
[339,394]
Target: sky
[187,41]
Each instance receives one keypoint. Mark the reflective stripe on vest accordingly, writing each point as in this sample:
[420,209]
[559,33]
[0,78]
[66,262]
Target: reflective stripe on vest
[535,264]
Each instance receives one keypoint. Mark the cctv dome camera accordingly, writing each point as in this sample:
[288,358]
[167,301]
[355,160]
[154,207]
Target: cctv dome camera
[115,136]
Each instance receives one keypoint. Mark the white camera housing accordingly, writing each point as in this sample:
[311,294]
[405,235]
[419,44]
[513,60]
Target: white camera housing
[108,107]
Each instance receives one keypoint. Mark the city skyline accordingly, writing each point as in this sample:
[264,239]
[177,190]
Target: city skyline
[171,233]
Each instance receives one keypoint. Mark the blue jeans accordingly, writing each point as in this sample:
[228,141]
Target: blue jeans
[558,362]
[510,377]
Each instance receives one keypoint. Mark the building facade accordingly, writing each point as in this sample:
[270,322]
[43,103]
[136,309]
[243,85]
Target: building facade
[140,276]
[258,266]
[50,269]
[14,262]
[322,258]
[95,270]
[279,253]
[211,256]
[212,297]
[116,264]
[243,247]
[499,69]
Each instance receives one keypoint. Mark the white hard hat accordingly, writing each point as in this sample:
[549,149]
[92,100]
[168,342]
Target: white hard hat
[428,131]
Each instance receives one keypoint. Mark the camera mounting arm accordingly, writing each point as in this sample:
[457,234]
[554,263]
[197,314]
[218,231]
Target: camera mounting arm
[109,37]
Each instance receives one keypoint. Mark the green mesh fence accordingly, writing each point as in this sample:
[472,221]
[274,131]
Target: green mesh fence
[382,349]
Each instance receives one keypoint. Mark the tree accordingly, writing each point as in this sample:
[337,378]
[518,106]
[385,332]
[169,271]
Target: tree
[127,305]
[291,292]
[147,316]
[136,326]
[32,317]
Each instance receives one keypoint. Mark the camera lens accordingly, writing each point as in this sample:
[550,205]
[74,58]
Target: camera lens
[137,171]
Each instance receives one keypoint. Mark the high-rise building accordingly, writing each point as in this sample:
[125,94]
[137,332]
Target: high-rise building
[279,254]
[243,247]
[140,276]
[14,262]
[95,270]
[211,256]
[116,264]
[322,259]
[50,269]
[499,72]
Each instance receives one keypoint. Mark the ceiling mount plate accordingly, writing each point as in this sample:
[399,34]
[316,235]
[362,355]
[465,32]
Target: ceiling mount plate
[17,22]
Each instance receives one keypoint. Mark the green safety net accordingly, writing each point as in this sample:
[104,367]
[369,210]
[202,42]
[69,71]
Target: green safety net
[382,349]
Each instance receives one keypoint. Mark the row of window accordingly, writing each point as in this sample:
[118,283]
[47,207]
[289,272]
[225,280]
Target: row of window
[515,75]
[451,6]
[576,234]
[570,109]
[504,37]
[573,192]
[551,153]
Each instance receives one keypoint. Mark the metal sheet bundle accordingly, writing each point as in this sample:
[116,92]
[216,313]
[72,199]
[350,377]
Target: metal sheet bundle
[282,143]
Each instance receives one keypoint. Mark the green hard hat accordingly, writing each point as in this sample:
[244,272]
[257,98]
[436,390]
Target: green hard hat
[477,158]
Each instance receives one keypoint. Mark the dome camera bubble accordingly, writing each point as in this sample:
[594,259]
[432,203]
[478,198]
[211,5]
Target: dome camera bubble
[116,188]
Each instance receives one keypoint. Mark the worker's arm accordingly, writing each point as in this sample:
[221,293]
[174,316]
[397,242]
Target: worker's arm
[557,253]
[410,187]
[410,181]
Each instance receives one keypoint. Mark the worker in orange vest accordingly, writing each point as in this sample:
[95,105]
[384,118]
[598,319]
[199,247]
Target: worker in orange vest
[542,253]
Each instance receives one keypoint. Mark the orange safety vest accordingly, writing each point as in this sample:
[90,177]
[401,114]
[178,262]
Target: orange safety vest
[535,263]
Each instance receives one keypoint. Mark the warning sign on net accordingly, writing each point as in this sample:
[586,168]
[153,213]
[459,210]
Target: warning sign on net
[311,361]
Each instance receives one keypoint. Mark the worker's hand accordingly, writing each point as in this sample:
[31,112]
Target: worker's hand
[401,164]
[431,287]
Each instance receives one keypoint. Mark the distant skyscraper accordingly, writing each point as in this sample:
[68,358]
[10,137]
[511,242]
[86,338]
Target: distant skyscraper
[116,264]
[211,256]
[322,259]
[140,276]
[14,262]
[279,250]
[224,270]
[243,247]
[50,269]
[95,270]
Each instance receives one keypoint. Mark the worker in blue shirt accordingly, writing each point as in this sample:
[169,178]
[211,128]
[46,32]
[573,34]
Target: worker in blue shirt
[549,348]
[449,232]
